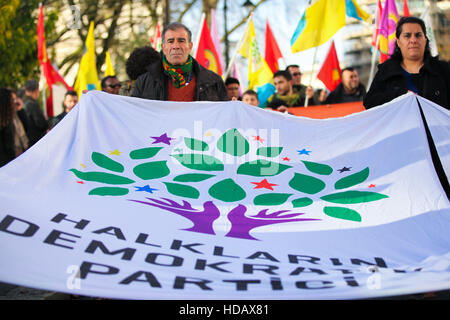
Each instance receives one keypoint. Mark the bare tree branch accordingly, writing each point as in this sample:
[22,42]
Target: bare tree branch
[186,9]
[243,21]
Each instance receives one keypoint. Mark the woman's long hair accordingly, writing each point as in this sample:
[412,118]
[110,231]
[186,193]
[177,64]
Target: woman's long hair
[397,55]
[6,107]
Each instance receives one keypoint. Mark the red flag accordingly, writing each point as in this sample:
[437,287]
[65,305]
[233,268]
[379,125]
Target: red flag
[405,9]
[377,30]
[330,72]
[273,52]
[156,40]
[206,51]
[51,75]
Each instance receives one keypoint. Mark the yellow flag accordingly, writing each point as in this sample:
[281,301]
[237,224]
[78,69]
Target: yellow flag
[109,68]
[259,72]
[87,77]
[318,24]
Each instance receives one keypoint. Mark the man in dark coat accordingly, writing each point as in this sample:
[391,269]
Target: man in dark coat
[178,76]
[70,101]
[38,124]
[284,97]
[349,90]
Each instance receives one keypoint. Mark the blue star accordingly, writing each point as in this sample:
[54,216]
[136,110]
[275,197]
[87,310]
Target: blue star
[146,188]
[303,151]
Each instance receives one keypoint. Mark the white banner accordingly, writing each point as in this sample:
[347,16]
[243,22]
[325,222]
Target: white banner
[139,199]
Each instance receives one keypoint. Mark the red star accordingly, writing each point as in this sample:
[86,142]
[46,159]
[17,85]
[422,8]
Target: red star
[258,138]
[264,184]
[286,159]
[372,186]
[80,182]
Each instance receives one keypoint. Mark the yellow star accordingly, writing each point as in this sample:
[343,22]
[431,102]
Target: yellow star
[115,152]
[82,165]
[208,134]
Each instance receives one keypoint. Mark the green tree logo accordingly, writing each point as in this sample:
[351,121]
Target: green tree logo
[205,168]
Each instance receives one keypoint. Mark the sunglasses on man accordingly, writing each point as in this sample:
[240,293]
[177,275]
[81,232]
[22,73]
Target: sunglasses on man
[112,86]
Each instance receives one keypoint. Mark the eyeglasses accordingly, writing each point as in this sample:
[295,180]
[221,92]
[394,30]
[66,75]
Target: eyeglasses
[112,86]
[297,74]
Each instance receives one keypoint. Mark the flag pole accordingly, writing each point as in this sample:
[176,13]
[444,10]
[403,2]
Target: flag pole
[238,47]
[42,81]
[377,42]
[311,77]
[197,40]
[372,66]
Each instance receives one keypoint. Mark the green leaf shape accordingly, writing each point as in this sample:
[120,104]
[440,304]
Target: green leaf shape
[342,213]
[269,152]
[195,144]
[262,168]
[102,177]
[192,177]
[318,168]
[108,191]
[232,142]
[349,197]
[182,190]
[271,199]
[106,163]
[199,161]
[352,179]
[227,190]
[306,184]
[152,170]
[144,153]
[302,202]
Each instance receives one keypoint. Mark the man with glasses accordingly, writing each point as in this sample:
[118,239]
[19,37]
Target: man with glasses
[297,85]
[111,84]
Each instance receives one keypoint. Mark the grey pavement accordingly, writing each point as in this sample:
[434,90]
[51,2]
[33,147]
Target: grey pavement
[13,292]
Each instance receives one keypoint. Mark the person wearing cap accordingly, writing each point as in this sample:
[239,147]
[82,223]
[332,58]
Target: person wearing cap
[38,124]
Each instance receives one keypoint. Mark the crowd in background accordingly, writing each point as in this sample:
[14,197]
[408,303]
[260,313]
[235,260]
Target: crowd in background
[174,75]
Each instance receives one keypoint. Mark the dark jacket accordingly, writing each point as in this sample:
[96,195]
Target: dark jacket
[275,102]
[301,89]
[7,150]
[38,125]
[339,95]
[55,120]
[153,84]
[389,83]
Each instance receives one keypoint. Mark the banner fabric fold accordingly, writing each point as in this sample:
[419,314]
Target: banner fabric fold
[138,199]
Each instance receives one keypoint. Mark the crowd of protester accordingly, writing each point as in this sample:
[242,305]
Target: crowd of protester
[174,75]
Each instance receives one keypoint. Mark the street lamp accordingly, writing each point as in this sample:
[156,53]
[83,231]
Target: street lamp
[249,6]
[227,43]
[166,12]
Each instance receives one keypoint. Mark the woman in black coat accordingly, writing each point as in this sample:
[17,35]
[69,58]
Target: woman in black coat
[7,148]
[13,139]
[411,68]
